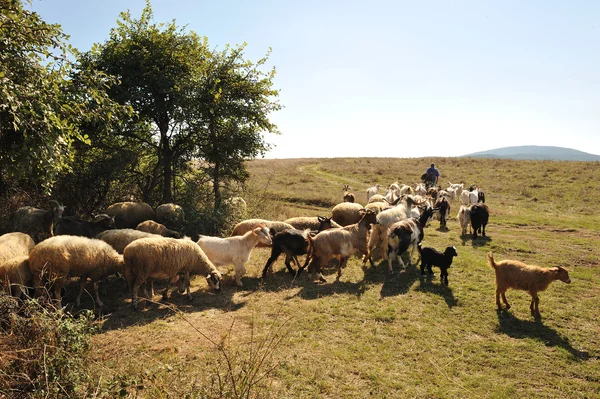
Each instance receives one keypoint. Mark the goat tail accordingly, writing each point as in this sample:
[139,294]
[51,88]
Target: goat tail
[491,262]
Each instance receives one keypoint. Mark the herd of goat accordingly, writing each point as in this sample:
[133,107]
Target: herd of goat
[132,239]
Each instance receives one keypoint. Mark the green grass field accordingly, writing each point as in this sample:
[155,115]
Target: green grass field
[378,335]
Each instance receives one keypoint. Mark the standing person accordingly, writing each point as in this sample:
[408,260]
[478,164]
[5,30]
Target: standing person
[433,175]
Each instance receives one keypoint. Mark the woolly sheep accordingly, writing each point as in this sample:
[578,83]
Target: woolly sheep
[341,244]
[120,238]
[348,196]
[520,276]
[246,225]
[170,214]
[38,223]
[16,276]
[377,206]
[61,257]
[130,214]
[150,226]
[15,244]
[346,213]
[166,258]
[377,198]
[234,250]
[312,223]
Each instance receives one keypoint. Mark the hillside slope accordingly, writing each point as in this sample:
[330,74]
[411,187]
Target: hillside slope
[534,152]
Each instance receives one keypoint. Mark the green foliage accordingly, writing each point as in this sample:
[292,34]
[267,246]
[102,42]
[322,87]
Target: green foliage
[45,350]
[41,104]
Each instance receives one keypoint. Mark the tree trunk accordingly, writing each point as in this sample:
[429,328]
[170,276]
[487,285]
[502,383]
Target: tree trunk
[217,185]
[167,159]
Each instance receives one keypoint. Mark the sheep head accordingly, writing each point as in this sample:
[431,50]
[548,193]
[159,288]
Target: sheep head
[562,274]
[214,280]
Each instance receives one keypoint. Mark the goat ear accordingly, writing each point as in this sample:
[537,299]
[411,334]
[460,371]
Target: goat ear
[321,218]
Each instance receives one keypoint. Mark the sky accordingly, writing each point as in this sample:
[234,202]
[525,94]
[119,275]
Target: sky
[397,78]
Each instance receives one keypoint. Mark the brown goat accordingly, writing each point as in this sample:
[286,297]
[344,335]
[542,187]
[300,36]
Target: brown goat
[519,276]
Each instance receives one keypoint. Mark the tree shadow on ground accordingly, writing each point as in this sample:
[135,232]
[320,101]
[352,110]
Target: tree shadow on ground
[519,329]
[117,311]
[426,284]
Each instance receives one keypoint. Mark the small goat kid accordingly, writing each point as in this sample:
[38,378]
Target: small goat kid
[433,257]
[519,276]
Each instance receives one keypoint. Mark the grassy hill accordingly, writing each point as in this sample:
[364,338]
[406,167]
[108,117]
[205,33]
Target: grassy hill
[535,152]
[373,334]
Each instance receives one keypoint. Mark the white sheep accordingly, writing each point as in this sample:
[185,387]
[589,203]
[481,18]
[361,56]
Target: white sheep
[15,244]
[16,276]
[234,250]
[166,258]
[61,257]
[377,198]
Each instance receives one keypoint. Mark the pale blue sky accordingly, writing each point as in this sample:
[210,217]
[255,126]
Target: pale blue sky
[399,78]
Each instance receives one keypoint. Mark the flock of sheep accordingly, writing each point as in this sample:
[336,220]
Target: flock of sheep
[46,249]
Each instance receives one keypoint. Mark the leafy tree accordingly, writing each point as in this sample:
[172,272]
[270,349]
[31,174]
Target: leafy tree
[197,103]
[234,100]
[41,106]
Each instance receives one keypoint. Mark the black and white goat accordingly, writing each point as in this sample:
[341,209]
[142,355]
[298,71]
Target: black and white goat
[433,257]
[405,233]
[479,214]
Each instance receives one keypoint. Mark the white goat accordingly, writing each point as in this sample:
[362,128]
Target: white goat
[464,218]
[371,191]
[456,187]
[234,250]
[464,197]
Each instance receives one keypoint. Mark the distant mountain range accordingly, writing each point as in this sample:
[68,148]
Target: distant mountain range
[534,152]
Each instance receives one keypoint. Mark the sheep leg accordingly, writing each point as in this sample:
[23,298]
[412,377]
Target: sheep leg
[135,287]
[82,281]
[96,297]
[57,288]
[240,270]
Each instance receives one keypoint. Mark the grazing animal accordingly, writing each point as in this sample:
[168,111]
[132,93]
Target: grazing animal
[479,215]
[371,191]
[15,244]
[405,233]
[316,223]
[171,215]
[157,258]
[348,196]
[72,226]
[60,257]
[444,210]
[150,226]
[234,250]
[16,276]
[341,244]
[130,214]
[464,218]
[346,213]
[520,276]
[38,223]
[249,224]
[433,257]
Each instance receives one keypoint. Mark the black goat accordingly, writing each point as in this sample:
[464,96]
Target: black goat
[444,209]
[72,226]
[293,242]
[480,213]
[433,257]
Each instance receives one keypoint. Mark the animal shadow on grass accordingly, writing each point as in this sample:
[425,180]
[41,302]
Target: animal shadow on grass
[480,241]
[118,313]
[426,284]
[516,328]
[398,283]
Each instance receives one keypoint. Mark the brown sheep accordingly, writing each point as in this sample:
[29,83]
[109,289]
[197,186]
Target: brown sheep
[130,214]
[61,257]
[150,226]
[346,213]
[250,224]
[166,258]
[348,196]
[316,223]
[170,214]
[15,276]
[519,276]
[15,244]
